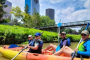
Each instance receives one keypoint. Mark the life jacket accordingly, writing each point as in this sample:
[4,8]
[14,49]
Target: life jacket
[39,47]
[82,48]
[32,42]
[61,43]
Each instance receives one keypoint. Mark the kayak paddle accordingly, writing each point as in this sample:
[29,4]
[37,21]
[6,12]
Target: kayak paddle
[58,47]
[20,52]
[79,43]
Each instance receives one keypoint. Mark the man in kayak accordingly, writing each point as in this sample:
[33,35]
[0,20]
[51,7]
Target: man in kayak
[37,44]
[83,49]
[64,42]
[30,38]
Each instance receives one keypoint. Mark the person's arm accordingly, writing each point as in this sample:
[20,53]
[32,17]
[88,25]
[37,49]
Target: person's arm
[86,53]
[34,47]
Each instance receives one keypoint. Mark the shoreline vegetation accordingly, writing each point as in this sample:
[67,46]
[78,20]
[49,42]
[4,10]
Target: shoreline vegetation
[17,35]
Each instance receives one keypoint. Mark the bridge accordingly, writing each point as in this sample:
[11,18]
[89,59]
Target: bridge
[69,24]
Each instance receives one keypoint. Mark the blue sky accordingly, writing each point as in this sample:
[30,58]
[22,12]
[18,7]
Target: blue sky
[66,10]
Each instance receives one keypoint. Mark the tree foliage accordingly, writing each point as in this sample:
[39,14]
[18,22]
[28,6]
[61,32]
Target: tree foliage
[69,31]
[83,28]
[2,5]
[16,14]
[27,9]
[30,21]
[47,21]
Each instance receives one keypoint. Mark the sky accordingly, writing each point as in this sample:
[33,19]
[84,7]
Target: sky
[66,10]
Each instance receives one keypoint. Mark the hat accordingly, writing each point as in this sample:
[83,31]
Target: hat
[85,32]
[37,34]
[63,32]
[29,35]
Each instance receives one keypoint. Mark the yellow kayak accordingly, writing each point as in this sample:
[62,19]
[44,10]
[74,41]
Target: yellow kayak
[32,56]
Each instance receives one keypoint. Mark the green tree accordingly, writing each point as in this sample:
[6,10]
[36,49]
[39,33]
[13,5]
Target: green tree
[2,5]
[27,9]
[69,30]
[83,28]
[46,21]
[27,20]
[36,20]
[17,14]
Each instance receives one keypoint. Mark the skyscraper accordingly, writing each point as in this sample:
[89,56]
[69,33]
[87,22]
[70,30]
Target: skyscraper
[50,12]
[33,6]
[7,10]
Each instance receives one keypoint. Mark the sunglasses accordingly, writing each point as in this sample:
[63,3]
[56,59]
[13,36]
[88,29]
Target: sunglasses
[63,34]
[83,34]
[36,36]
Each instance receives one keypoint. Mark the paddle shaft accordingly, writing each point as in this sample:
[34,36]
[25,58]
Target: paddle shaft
[76,47]
[58,35]
[20,51]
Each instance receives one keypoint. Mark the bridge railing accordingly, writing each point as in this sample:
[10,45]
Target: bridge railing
[66,24]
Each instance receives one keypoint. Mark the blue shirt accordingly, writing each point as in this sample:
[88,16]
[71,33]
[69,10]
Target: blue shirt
[87,49]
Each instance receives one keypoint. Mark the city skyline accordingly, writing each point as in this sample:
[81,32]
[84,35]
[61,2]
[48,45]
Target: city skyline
[66,10]
[33,6]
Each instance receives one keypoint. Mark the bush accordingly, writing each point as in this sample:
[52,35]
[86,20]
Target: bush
[5,21]
[16,35]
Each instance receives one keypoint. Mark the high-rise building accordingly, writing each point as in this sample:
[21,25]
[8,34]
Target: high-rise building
[33,6]
[7,10]
[50,12]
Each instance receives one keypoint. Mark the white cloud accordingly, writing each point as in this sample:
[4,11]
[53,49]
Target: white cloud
[62,14]
[87,4]
[71,15]
[55,1]
[79,15]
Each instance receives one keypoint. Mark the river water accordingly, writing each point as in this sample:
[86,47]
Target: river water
[73,46]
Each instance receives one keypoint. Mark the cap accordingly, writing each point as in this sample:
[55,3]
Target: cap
[29,35]
[37,34]
[63,32]
[85,32]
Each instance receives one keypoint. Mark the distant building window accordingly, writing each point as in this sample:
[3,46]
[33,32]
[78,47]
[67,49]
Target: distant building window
[36,1]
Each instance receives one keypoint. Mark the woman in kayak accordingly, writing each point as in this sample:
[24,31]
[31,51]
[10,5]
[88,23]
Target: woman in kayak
[83,49]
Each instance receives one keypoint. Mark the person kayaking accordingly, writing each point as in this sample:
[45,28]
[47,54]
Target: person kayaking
[30,40]
[83,49]
[64,42]
[37,45]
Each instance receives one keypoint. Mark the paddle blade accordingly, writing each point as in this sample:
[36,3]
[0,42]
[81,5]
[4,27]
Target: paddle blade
[87,26]
[58,48]
[59,24]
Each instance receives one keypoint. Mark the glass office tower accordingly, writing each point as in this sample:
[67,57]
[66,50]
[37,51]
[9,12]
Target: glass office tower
[33,6]
[7,10]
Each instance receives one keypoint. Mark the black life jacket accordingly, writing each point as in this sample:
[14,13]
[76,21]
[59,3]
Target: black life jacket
[39,47]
